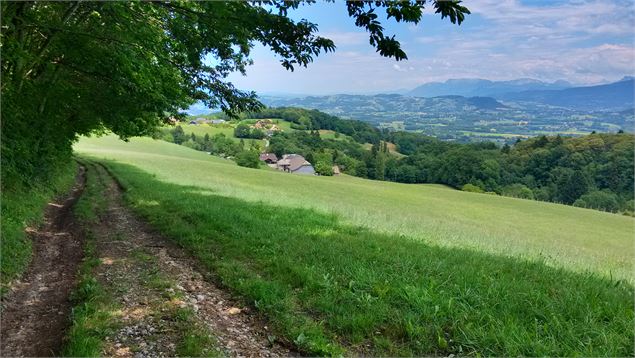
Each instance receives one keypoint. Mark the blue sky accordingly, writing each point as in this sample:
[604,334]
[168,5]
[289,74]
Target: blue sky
[583,42]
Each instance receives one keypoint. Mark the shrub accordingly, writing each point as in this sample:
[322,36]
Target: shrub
[471,188]
[602,200]
[518,191]
[323,168]
[242,131]
[248,158]
[629,206]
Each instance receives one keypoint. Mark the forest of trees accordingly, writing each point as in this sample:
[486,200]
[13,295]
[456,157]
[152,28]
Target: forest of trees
[592,171]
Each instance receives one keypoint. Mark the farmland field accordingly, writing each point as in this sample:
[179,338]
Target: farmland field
[337,271]
[226,129]
[575,238]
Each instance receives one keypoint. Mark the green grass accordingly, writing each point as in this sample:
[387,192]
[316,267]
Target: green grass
[211,129]
[92,315]
[194,340]
[333,288]
[337,270]
[228,129]
[561,236]
[22,208]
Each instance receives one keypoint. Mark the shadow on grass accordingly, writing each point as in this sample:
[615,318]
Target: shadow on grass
[331,288]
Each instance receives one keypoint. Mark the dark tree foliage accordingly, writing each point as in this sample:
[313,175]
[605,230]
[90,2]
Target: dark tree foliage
[178,135]
[72,68]
[245,131]
[594,171]
[248,158]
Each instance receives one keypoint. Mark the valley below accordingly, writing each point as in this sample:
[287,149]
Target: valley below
[479,115]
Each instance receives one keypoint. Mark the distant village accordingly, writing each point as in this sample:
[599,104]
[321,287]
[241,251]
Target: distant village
[202,120]
[289,163]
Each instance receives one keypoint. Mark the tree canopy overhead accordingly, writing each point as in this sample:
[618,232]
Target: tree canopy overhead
[69,68]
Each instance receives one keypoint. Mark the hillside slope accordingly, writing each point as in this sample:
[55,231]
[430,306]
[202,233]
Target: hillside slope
[576,238]
[318,259]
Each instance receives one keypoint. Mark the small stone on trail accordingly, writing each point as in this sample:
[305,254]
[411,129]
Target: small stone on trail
[234,310]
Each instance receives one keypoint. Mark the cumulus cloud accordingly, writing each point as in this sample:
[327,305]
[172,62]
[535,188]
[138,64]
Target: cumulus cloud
[398,68]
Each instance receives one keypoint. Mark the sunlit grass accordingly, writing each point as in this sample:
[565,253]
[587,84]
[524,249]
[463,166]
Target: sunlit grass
[563,236]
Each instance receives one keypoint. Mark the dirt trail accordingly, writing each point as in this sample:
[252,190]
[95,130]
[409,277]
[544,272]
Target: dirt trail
[35,311]
[151,275]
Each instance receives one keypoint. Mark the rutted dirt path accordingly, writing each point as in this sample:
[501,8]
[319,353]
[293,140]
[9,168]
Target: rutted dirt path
[160,302]
[35,312]
[152,276]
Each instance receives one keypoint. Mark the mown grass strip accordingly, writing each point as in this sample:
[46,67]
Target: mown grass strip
[332,288]
[92,319]
[96,313]
[23,207]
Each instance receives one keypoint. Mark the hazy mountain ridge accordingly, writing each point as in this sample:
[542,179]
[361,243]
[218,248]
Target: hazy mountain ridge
[613,96]
[472,87]
[345,103]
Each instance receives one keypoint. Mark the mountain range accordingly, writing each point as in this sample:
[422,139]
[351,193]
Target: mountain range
[474,93]
[471,87]
[613,96]
[365,107]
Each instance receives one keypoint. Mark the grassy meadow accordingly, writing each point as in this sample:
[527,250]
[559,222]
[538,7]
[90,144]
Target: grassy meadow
[331,286]
[559,235]
[200,130]
[228,129]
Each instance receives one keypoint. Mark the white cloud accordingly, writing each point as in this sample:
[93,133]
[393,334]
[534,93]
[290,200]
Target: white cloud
[579,41]
[398,68]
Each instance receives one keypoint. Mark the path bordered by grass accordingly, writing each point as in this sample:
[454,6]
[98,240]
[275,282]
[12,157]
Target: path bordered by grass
[97,316]
[21,208]
[332,288]
[562,236]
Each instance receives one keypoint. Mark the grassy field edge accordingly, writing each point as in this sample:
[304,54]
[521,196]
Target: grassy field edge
[326,286]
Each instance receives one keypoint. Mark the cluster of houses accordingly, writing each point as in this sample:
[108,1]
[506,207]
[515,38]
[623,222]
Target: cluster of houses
[202,120]
[292,163]
[267,126]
